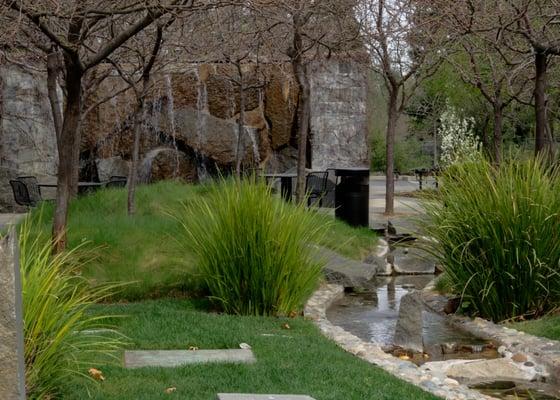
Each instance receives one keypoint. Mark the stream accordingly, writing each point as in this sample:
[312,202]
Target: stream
[419,335]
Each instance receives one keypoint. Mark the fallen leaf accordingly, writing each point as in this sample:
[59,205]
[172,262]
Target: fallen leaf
[170,390]
[193,348]
[293,314]
[286,326]
[96,374]
[404,357]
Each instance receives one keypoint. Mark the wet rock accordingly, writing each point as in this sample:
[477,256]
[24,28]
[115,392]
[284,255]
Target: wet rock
[482,370]
[412,261]
[165,163]
[346,272]
[408,332]
[452,305]
[113,166]
[519,358]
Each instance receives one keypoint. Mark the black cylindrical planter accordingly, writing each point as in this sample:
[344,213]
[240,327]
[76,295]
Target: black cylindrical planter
[352,196]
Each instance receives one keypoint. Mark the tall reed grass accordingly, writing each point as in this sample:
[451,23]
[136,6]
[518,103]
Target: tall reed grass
[62,339]
[497,232]
[253,249]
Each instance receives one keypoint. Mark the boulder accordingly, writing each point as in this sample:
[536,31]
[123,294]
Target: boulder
[166,163]
[344,271]
[473,371]
[408,332]
[113,166]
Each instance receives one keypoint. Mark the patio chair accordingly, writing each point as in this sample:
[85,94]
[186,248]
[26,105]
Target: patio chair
[116,181]
[33,188]
[21,194]
[316,187]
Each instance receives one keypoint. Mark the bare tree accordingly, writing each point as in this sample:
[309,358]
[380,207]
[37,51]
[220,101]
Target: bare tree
[401,38]
[86,32]
[137,61]
[480,55]
[312,30]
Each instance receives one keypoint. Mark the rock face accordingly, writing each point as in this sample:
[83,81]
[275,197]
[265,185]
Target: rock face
[193,108]
[27,137]
[165,163]
[113,166]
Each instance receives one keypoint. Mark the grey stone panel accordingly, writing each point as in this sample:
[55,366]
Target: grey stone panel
[177,358]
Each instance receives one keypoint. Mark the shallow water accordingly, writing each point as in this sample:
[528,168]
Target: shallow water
[373,316]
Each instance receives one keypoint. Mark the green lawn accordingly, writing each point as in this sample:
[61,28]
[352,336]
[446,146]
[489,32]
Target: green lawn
[146,249]
[548,327]
[299,360]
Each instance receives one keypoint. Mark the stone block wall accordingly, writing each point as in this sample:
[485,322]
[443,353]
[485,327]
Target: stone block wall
[339,136]
[27,137]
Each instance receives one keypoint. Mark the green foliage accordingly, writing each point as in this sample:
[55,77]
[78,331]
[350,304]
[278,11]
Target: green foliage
[56,303]
[408,154]
[497,236]
[143,250]
[253,249]
[299,360]
[548,326]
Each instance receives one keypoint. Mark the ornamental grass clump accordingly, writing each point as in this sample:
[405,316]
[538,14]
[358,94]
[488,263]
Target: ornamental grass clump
[254,250]
[497,232]
[62,340]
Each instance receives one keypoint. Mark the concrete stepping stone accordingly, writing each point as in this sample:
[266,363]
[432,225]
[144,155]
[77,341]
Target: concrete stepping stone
[177,358]
[239,396]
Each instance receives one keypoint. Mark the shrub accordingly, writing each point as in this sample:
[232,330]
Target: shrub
[56,303]
[498,237]
[458,141]
[253,249]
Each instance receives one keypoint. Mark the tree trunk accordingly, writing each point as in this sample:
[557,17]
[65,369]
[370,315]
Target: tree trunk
[540,102]
[240,122]
[498,127]
[52,74]
[303,127]
[133,173]
[393,115]
[67,145]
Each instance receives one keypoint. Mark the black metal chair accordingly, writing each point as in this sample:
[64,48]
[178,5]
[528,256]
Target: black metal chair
[316,187]
[116,181]
[21,194]
[33,188]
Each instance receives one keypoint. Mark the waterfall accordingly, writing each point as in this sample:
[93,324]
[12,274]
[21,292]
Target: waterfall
[201,108]
[251,133]
[171,116]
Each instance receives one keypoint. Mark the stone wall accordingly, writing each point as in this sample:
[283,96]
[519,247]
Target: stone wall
[27,137]
[339,136]
[192,109]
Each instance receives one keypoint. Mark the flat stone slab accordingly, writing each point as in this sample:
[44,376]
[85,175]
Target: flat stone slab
[239,396]
[177,358]
[344,271]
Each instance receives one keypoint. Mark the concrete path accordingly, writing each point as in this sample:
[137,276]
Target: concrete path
[407,209]
[10,219]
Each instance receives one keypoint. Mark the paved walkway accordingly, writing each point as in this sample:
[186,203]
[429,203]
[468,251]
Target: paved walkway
[406,208]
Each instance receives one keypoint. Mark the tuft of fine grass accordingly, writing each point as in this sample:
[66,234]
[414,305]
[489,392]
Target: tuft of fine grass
[498,238]
[56,302]
[253,249]
[143,250]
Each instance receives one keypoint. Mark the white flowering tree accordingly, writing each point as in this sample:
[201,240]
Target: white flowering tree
[458,141]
